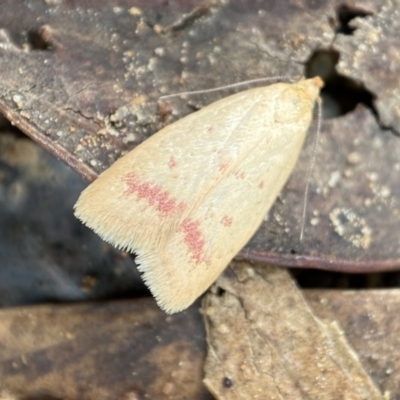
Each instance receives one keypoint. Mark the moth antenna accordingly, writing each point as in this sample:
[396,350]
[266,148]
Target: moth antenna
[233,85]
[311,167]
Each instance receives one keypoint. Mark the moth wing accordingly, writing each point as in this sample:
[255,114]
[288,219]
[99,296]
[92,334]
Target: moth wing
[190,197]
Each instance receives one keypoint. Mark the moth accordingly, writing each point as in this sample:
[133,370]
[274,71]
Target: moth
[187,199]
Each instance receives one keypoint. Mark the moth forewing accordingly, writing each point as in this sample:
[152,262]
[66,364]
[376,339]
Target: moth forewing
[191,196]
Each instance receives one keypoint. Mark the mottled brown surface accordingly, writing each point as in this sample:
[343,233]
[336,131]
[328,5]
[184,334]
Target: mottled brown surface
[372,56]
[130,348]
[122,350]
[263,338]
[83,78]
[89,92]
[371,324]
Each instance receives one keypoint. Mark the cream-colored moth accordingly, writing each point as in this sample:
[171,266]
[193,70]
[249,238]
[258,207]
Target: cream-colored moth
[187,199]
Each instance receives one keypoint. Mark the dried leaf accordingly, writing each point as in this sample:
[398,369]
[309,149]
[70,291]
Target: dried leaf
[370,56]
[371,321]
[83,80]
[105,343]
[263,338]
[122,350]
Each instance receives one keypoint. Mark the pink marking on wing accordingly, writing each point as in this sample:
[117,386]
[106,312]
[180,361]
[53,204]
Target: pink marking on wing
[223,167]
[194,239]
[156,197]
[172,162]
[239,175]
[261,184]
[226,220]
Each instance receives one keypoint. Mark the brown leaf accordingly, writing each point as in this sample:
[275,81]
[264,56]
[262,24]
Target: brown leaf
[263,338]
[371,321]
[83,79]
[122,350]
[370,56]
[93,348]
